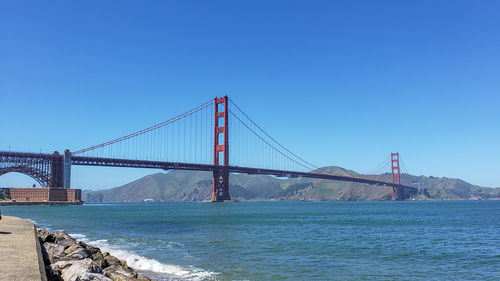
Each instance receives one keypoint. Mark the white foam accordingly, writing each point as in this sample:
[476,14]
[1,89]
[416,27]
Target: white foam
[144,264]
[78,236]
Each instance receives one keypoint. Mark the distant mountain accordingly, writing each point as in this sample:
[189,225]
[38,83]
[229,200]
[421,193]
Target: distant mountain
[196,186]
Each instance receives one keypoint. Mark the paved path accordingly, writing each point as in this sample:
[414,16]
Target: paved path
[20,257]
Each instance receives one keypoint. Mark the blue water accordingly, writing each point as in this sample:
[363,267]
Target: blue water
[443,240]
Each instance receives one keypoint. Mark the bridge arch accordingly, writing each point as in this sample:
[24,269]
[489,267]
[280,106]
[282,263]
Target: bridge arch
[35,174]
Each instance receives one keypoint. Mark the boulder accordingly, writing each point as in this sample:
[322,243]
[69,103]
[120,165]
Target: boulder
[89,277]
[76,251]
[99,259]
[78,254]
[54,251]
[79,270]
[61,234]
[124,263]
[45,236]
[66,243]
[119,273]
[92,250]
[142,277]
[112,260]
[69,260]
[62,238]
[61,265]
[72,248]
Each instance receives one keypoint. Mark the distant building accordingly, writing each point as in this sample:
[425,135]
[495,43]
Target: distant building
[43,194]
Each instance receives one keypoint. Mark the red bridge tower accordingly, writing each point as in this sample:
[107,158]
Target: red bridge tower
[396,191]
[220,190]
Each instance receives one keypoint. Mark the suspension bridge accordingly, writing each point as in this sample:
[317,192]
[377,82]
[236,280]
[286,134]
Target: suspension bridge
[198,139]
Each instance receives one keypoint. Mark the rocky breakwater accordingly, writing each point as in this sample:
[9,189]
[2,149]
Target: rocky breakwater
[67,259]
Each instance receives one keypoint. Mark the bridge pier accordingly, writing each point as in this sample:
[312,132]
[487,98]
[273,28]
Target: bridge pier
[397,193]
[220,190]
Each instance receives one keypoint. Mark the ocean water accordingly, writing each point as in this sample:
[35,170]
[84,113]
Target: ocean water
[420,240]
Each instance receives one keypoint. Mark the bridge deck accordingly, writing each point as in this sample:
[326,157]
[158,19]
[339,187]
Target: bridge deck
[15,158]
[112,162]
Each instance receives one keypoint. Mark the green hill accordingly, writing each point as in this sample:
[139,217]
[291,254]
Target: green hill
[196,186]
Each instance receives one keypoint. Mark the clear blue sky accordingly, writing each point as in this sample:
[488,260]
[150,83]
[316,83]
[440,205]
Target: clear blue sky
[338,82]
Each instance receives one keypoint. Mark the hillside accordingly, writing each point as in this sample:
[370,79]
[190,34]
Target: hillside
[196,186]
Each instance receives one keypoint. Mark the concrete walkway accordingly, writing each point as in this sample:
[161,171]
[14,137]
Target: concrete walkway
[20,255]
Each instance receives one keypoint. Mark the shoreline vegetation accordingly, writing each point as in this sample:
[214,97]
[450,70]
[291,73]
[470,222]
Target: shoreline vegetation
[67,259]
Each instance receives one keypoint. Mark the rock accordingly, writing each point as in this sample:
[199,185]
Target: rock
[61,265]
[99,259]
[92,250]
[69,260]
[54,251]
[63,239]
[72,248]
[41,231]
[45,236]
[76,251]
[78,254]
[90,277]
[120,273]
[124,263]
[112,260]
[79,270]
[142,277]
[61,234]
[66,243]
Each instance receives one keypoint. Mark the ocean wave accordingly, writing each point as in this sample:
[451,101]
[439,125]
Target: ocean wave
[150,266]
[78,236]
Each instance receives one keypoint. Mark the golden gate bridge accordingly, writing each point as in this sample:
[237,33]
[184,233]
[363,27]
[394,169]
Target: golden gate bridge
[198,139]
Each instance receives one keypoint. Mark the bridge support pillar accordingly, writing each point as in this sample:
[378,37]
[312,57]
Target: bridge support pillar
[67,169]
[220,191]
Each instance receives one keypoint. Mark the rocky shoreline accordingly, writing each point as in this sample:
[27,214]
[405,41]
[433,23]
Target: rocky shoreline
[67,259]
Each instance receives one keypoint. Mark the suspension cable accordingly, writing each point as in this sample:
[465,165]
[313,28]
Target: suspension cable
[159,125]
[268,142]
[311,165]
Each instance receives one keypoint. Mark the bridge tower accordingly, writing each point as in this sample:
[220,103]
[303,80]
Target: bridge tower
[220,190]
[396,191]
[66,182]
[56,170]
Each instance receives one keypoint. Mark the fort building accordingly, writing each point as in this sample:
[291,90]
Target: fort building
[43,194]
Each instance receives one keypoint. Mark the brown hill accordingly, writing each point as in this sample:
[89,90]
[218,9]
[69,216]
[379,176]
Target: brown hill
[196,186]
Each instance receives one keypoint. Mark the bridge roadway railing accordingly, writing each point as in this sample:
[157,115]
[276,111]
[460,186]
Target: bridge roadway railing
[112,162]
